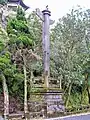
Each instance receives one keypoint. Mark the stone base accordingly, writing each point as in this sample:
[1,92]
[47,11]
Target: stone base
[54,101]
[50,104]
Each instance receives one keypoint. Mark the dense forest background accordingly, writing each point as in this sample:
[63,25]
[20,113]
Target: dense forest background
[21,53]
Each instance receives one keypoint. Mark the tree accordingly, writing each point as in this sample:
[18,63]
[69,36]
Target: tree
[3,2]
[69,50]
[35,27]
[21,48]
[4,63]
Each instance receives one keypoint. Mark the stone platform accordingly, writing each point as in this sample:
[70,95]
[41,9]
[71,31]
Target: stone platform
[54,101]
[51,103]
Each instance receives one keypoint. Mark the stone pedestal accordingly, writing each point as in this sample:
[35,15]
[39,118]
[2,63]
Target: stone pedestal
[46,104]
[54,102]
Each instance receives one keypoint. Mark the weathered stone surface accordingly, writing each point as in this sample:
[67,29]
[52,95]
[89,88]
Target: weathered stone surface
[54,102]
[50,102]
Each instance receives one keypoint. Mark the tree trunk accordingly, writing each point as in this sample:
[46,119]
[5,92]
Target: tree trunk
[69,92]
[88,87]
[25,89]
[31,79]
[60,82]
[6,98]
[84,87]
[88,90]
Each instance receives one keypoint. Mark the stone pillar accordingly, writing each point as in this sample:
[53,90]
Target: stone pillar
[46,45]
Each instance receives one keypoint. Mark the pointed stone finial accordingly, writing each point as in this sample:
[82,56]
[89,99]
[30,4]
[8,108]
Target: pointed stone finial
[47,7]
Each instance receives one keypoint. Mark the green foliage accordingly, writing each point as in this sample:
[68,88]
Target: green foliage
[25,40]
[70,50]
[3,2]
[23,36]
[20,14]
[1,46]
[19,27]
[14,79]
[35,27]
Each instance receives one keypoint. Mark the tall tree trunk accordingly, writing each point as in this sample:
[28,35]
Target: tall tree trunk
[25,89]
[31,79]
[68,96]
[88,90]
[88,87]
[6,98]
[84,87]
[60,82]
